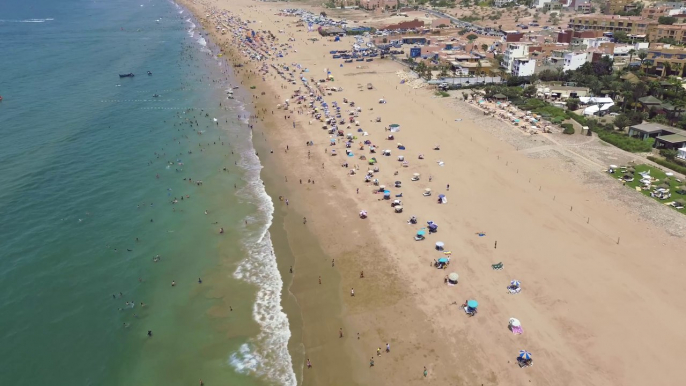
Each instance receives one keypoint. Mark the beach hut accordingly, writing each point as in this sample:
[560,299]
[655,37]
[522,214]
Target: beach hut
[452,278]
[500,97]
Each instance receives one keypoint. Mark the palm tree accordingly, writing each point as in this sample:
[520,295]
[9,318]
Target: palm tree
[642,55]
[631,54]
[677,67]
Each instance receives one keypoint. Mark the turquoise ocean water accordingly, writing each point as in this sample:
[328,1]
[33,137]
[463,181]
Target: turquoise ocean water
[90,165]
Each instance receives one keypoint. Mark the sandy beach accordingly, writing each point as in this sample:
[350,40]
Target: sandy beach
[599,303]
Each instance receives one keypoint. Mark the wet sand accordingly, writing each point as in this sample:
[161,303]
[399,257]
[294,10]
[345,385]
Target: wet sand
[595,295]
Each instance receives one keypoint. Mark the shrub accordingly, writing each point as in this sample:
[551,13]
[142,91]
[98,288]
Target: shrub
[568,128]
[625,142]
[669,165]
[442,94]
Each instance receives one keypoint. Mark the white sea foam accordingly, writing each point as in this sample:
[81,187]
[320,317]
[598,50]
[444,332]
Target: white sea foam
[267,354]
[27,20]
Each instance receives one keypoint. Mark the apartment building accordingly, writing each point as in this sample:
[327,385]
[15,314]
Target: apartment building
[574,60]
[631,25]
[674,31]
[654,13]
[514,51]
[523,67]
[665,59]
[614,6]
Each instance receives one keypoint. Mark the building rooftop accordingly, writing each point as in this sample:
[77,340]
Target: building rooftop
[612,17]
[672,138]
[650,127]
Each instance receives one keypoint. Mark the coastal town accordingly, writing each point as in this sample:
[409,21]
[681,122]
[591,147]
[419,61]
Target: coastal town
[544,140]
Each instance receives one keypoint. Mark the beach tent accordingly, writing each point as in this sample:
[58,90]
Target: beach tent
[515,283]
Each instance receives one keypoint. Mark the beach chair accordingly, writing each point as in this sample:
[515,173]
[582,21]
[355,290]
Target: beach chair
[514,291]
[497,267]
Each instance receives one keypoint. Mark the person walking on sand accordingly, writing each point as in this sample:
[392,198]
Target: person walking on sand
[309,364]
[425,372]
[388,348]
[378,352]
[320,280]
[352,292]
[371,362]
[340,332]
[304,220]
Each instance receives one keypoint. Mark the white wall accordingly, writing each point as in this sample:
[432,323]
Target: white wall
[573,61]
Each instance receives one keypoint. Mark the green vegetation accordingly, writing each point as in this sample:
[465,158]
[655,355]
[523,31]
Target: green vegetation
[568,128]
[661,178]
[442,94]
[668,164]
[666,20]
[470,19]
[625,142]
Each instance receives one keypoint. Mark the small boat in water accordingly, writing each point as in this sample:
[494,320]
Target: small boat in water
[149,73]
[156,95]
[129,75]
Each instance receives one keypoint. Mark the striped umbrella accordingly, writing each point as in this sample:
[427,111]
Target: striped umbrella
[523,354]
[515,283]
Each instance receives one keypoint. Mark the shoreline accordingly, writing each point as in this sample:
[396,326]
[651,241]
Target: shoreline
[404,302]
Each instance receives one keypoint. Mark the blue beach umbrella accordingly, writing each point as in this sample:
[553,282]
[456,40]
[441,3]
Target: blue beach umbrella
[515,283]
[523,354]
[441,195]
[421,232]
[472,304]
[350,154]
[442,260]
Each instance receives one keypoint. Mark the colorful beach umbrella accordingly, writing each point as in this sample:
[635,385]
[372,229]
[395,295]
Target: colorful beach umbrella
[472,304]
[442,260]
[523,354]
[515,283]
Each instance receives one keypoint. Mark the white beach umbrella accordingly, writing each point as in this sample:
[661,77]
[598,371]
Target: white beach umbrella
[453,276]
[515,322]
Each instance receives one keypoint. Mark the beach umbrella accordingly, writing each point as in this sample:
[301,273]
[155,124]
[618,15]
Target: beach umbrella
[421,232]
[472,303]
[398,182]
[441,195]
[394,125]
[440,244]
[453,277]
[515,283]
[613,166]
[523,354]
[443,260]
[515,322]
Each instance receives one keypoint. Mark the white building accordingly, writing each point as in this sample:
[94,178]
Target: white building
[514,51]
[574,60]
[501,3]
[681,153]
[523,67]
